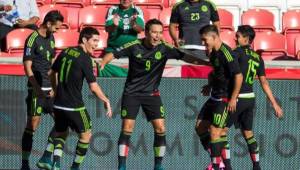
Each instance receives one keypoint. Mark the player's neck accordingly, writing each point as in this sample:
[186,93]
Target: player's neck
[83,48]
[42,31]
[218,45]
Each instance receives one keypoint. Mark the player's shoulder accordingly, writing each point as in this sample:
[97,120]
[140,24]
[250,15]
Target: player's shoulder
[74,52]
[209,2]
[227,52]
[131,43]
[31,38]
[167,44]
[178,4]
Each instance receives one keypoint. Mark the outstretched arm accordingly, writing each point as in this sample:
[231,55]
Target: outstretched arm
[95,88]
[106,59]
[267,90]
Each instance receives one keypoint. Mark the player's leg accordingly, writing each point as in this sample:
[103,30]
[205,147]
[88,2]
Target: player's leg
[33,120]
[61,132]
[225,153]
[129,110]
[246,128]
[219,120]
[155,112]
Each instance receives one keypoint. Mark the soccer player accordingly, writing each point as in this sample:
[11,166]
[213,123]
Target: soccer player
[68,71]
[225,81]
[190,16]
[251,65]
[38,54]
[123,23]
[147,59]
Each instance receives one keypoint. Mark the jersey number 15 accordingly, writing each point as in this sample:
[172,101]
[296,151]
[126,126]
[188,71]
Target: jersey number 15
[251,74]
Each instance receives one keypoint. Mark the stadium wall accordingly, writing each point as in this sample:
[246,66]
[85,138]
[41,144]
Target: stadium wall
[279,139]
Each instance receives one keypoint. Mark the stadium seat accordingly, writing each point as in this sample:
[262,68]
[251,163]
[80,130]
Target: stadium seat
[226,19]
[291,19]
[152,10]
[15,40]
[165,16]
[167,37]
[63,40]
[105,2]
[93,16]
[47,8]
[81,3]
[228,37]
[173,2]
[158,3]
[297,47]
[260,19]
[42,2]
[271,44]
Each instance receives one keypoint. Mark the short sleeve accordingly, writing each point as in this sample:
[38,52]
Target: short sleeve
[231,63]
[125,50]
[87,69]
[261,68]
[30,47]
[109,16]
[175,16]
[214,17]
[173,53]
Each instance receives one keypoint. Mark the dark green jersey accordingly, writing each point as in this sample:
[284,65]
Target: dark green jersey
[225,67]
[40,50]
[146,66]
[124,33]
[251,64]
[73,65]
[191,17]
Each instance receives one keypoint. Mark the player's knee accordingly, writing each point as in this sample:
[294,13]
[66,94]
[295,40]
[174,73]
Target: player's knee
[160,129]
[247,133]
[86,136]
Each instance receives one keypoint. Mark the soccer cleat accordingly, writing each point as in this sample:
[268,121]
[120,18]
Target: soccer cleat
[45,163]
[221,166]
[55,166]
[158,167]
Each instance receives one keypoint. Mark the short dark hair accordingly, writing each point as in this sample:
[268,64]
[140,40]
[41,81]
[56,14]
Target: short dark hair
[247,31]
[152,22]
[209,28]
[87,33]
[53,16]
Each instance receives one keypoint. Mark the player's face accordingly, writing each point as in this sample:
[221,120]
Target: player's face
[53,27]
[241,40]
[126,3]
[209,41]
[92,43]
[154,35]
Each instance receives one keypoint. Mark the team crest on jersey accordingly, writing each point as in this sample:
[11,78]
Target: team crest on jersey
[52,44]
[158,55]
[139,55]
[204,8]
[28,51]
[41,48]
[186,8]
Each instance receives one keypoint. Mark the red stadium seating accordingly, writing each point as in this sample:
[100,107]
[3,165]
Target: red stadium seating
[297,46]
[150,11]
[167,37]
[81,3]
[43,2]
[65,38]
[149,3]
[226,19]
[271,44]
[105,2]
[172,2]
[15,40]
[228,37]
[93,16]
[260,19]
[291,19]
[47,8]
[165,16]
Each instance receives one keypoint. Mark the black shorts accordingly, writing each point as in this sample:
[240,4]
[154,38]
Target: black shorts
[215,112]
[151,105]
[36,106]
[78,120]
[243,117]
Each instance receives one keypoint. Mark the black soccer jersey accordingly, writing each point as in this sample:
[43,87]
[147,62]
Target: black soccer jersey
[251,64]
[40,50]
[191,17]
[72,65]
[225,67]
[146,66]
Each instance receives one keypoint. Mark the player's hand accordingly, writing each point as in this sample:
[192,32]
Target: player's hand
[7,8]
[133,19]
[231,107]
[206,90]
[278,111]
[108,108]
[22,23]
[179,42]
[116,19]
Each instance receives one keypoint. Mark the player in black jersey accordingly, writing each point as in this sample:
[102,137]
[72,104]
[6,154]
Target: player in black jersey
[38,54]
[147,59]
[225,82]
[251,65]
[190,16]
[72,66]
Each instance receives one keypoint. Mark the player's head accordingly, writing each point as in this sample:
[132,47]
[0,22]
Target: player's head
[53,21]
[245,35]
[125,3]
[153,31]
[210,36]
[88,39]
